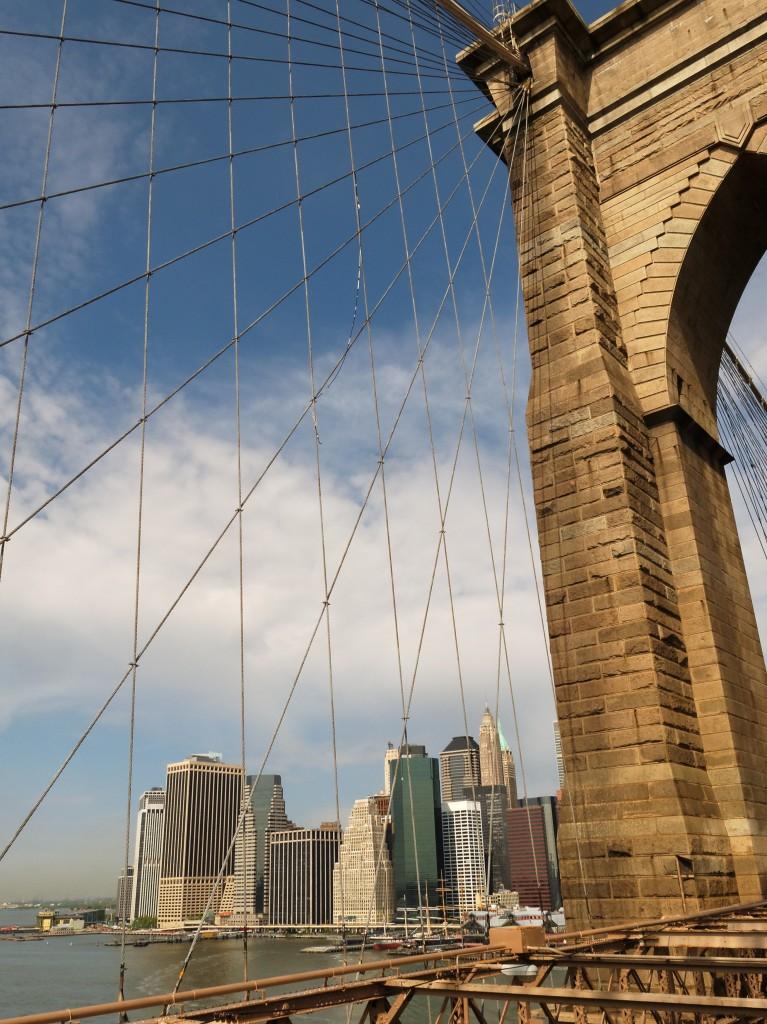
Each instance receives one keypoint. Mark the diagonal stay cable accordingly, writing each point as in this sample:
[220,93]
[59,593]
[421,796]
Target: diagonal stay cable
[406,703]
[249,58]
[195,250]
[473,429]
[140,501]
[26,333]
[238,459]
[261,31]
[345,19]
[430,589]
[326,603]
[228,524]
[316,432]
[388,911]
[215,356]
[205,161]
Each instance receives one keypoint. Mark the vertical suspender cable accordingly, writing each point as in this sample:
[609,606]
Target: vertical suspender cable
[140,508]
[242,830]
[362,289]
[315,425]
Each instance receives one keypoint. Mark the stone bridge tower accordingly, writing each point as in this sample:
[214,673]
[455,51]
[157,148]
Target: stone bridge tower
[641,215]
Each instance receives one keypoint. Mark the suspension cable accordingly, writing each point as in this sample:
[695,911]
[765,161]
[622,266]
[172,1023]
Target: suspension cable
[32,288]
[246,498]
[222,236]
[249,58]
[140,502]
[336,575]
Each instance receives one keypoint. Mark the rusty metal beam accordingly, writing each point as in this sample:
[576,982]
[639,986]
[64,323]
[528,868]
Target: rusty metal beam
[715,1006]
[621,948]
[283,1006]
[627,927]
[649,961]
[706,940]
[452,958]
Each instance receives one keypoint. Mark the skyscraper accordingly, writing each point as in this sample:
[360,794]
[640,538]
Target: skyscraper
[363,884]
[493,803]
[124,892]
[509,769]
[459,768]
[464,854]
[392,753]
[532,852]
[558,755]
[416,832]
[148,854]
[549,805]
[490,765]
[300,882]
[202,807]
[263,804]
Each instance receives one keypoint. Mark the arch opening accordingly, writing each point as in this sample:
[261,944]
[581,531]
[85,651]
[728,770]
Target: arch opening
[728,243]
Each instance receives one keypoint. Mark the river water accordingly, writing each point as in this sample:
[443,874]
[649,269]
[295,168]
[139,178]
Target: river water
[73,971]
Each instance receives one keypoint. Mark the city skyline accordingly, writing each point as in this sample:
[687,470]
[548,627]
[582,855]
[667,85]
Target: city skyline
[204,845]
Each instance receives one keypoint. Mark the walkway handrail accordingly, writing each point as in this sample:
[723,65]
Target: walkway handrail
[192,995]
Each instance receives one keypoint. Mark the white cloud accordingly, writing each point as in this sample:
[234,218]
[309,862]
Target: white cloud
[68,581]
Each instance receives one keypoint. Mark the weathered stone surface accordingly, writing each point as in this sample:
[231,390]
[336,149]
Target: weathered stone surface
[641,213]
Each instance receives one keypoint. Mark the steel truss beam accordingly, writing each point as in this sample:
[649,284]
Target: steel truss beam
[714,1006]
[656,970]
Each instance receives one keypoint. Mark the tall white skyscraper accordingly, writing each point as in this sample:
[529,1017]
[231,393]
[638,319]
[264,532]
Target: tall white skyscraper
[560,758]
[464,854]
[202,808]
[391,755]
[147,855]
[362,894]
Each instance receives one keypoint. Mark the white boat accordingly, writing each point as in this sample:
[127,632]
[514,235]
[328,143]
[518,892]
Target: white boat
[519,970]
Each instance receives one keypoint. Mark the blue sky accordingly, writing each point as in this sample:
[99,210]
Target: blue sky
[69,576]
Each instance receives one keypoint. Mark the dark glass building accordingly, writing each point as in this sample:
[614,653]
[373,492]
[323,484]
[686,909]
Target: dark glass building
[416,830]
[301,862]
[494,803]
[268,804]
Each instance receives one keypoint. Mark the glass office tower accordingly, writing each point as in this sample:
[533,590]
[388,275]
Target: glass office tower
[416,828]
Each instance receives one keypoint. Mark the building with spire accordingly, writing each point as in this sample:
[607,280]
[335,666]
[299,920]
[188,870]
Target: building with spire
[490,766]
[459,773]
[416,828]
[363,881]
